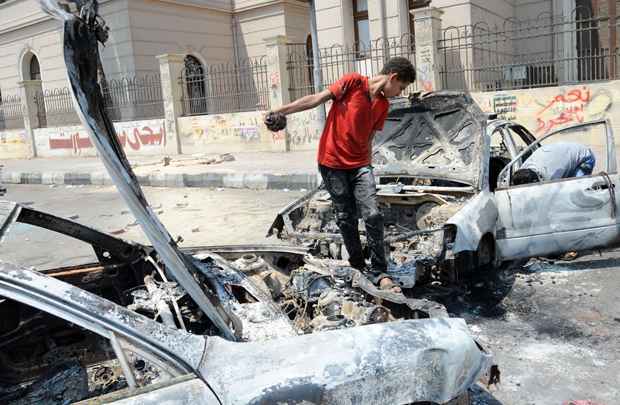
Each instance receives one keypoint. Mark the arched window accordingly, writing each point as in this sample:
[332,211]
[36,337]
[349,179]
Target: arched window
[34,69]
[195,101]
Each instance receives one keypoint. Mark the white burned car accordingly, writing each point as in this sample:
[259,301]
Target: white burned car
[443,173]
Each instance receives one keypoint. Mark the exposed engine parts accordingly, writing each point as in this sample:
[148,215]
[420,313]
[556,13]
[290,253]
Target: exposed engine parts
[413,229]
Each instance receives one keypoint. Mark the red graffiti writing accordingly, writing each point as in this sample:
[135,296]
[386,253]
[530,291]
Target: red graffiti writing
[137,138]
[563,109]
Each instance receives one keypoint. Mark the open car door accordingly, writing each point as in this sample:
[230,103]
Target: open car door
[569,214]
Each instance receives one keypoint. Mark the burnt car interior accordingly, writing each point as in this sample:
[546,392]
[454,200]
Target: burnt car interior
[42,353]
[507,141]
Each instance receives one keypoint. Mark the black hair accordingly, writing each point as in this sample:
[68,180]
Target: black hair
[405,72]
[525,176]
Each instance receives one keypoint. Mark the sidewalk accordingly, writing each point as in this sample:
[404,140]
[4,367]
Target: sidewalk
[254,170]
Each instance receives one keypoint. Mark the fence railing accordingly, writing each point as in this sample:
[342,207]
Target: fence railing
[335,61]
[11,115]
[226,87]
[55,108]
[545,51]
[125,99]
[133,98]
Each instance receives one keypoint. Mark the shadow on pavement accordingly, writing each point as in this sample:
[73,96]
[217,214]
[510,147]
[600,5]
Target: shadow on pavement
[479,396]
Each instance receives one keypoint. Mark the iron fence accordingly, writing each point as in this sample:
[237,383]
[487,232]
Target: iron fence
[55,108]
[545,51]
[11,116]
[125,99]
[133,98]
[226,87]
[365,58]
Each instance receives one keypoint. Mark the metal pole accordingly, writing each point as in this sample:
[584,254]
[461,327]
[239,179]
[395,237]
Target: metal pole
[316,61]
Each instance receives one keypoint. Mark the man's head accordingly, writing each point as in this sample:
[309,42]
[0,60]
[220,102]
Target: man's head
[400,73]
[524,176]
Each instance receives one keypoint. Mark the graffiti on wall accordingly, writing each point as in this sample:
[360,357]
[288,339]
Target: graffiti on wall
[13,137]
[231,132]
[134,139]
[304,129]
[140,137]
[219,128]
[545,110]
[425,68]
[14,144]
[573,106]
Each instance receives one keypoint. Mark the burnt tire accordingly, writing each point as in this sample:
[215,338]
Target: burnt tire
[490,280]
[463,399]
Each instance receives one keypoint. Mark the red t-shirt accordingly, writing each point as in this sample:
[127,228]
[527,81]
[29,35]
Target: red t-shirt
[353,117]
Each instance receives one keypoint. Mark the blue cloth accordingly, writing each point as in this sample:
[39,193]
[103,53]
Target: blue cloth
[585,169]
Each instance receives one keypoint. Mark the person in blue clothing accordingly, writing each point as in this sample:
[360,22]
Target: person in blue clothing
[556,161]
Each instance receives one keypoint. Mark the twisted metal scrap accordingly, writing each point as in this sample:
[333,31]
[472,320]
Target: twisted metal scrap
[83,29]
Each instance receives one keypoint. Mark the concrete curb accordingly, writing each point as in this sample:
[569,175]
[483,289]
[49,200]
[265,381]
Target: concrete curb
[255,181]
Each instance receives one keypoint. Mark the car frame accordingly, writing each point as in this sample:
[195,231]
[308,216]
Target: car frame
[480,237]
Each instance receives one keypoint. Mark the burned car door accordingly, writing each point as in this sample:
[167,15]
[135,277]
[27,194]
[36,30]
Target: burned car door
[560,215]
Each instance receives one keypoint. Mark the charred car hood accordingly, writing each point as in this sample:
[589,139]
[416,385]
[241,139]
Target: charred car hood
[439,137]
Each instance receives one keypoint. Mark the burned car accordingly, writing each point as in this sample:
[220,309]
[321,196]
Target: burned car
[443,171]
[122,330]
[214,325]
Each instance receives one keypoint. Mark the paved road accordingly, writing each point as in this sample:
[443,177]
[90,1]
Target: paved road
[555,335]
[199,216]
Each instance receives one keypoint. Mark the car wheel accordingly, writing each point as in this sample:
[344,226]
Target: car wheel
[463,399]
[491,279]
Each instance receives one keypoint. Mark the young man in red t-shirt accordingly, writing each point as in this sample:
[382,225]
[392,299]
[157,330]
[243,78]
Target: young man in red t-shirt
[359,108]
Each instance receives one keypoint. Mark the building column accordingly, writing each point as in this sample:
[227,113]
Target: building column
[427,23]
[171,70]
[28,90]
[566,50]
[279,83]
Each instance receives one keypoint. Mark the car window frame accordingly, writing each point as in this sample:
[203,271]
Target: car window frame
[120,338]
[503,181]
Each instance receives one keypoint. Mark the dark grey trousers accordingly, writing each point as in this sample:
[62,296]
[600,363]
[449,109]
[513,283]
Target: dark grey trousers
[354,190]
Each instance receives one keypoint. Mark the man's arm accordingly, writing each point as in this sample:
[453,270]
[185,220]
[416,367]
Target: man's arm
[304,103]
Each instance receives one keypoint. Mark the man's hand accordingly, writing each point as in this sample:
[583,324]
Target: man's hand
[275,121]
